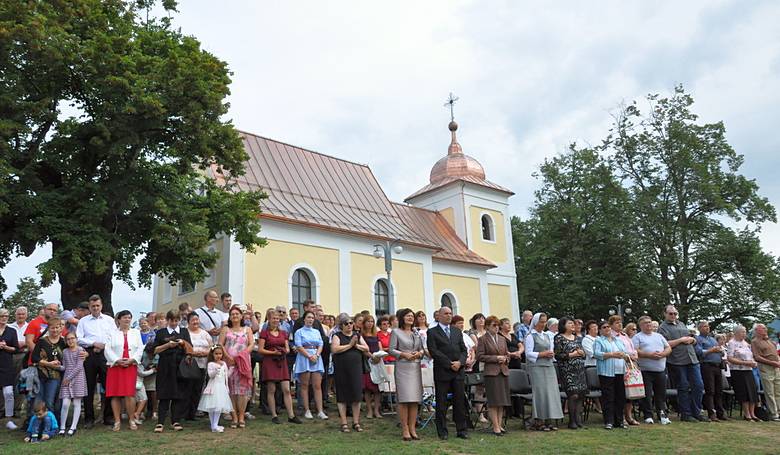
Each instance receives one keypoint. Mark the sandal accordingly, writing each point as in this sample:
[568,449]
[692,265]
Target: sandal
[241,424]
[177,426]
[234,425]
[345,428]
[357,427]
[117,426]
[133,425]
[158,428]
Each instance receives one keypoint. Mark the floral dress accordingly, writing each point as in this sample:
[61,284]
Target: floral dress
[571,371]
[234,344]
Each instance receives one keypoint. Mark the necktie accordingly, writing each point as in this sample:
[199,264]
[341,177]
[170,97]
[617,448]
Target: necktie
[447,331]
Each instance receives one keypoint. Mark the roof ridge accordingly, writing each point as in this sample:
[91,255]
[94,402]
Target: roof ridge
[404,204]
[303,148]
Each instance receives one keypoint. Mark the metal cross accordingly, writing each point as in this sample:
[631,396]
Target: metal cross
[451,103]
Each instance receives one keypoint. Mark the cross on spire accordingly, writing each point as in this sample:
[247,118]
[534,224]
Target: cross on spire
[451,104]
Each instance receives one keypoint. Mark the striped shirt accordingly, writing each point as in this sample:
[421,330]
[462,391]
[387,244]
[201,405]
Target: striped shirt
[609,366]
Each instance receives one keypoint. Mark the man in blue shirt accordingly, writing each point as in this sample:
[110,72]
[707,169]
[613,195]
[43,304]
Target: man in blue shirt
[710,354]
[525,326]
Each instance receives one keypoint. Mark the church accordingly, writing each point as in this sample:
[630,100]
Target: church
[327,219]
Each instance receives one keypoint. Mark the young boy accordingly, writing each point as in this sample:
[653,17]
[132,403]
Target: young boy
[43,425]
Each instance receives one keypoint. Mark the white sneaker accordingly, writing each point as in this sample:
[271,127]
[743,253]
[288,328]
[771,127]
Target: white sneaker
[649,421]
[322,415]
[665,420]
[11,425]
[308,415]
[218,430]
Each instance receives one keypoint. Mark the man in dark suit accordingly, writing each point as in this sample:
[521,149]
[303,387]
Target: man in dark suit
[446,347]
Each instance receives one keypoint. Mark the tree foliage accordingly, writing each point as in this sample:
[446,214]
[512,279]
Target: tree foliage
[112,127]
[679,220]
[28,294]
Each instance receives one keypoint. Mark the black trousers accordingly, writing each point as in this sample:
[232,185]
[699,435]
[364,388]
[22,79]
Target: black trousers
[95,371]
[613,398]
[655,393]
[443,388]
[712,376]
[193,391]
[177,409]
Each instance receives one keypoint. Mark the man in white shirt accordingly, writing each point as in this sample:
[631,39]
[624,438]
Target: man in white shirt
[211,319]
[93,332]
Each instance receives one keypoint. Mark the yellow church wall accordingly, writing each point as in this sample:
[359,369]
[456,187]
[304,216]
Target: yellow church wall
[466,292]
[449,215]
[492,251]
[407,279]
[195,297]
[500,300]
[267,273]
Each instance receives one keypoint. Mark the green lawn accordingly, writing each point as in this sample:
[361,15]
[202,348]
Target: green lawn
[382,436]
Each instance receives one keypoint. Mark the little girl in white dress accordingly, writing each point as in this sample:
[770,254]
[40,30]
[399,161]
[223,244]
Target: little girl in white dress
[215,399]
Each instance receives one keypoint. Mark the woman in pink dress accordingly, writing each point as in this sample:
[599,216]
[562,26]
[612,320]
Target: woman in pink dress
[238,342]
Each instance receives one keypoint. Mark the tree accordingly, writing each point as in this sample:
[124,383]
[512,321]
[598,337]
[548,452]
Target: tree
[112,129]
[576,254]
[28,293]
[684,184]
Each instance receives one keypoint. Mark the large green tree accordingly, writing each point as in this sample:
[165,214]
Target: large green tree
[687,196]
[111,125]
[576,253]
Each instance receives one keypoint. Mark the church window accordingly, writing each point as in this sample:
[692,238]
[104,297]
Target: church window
[301,288]
[488,233]
[381,298]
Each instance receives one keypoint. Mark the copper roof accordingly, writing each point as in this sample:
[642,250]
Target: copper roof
[310,188]
[456,166]
[438,230]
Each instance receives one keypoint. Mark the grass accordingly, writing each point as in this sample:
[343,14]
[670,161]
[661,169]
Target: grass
[382,436]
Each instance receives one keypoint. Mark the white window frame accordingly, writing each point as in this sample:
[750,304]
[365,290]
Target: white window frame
[492,222]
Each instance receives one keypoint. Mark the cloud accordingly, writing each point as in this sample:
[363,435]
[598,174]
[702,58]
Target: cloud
[366,81]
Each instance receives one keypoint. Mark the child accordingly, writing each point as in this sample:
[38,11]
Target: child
[140,391]
[216,398]
[74,383]
[43,424]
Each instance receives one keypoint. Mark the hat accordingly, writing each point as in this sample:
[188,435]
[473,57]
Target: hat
[83,306]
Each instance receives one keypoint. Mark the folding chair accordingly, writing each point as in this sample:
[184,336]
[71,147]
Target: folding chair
[520,388]
[594,390]
[728,395]
[471,381]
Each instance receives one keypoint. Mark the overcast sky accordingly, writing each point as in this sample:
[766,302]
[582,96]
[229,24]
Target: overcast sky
[366,81]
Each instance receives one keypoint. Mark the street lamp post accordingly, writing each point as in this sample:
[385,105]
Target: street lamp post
[620,310]
[387,249]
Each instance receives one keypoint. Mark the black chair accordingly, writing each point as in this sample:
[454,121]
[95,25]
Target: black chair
[671,394]
[594,390]
[471,381]
[520,388]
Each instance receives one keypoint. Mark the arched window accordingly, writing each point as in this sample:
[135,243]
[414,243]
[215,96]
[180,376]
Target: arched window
[301,288]
[381,297]
[446,300]
[487,228]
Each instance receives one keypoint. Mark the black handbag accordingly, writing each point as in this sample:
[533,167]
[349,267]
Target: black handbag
[188,368]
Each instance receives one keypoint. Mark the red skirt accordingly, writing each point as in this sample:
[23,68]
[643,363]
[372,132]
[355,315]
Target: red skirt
[120,382]
[368,384]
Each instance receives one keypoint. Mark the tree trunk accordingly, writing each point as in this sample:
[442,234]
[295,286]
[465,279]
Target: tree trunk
[76,291]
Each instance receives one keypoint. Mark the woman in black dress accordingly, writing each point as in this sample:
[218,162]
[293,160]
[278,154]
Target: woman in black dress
[571,367]
[172,344]
[513,344]
[8,346]
[349,350]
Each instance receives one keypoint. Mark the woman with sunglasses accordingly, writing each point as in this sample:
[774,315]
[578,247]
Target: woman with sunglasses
[349,351]
[611,356]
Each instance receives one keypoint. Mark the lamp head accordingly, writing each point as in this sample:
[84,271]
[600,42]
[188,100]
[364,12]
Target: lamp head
[398,249]
[378,252]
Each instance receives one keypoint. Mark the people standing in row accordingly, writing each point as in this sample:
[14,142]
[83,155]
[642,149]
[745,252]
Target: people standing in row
[611,357]
[211,319]
[406,347]
[74,384]
[274,347]
[201,343]
[539,352]
[741,362]
[710,354]
[571,365]
[309,366]
[238,343]
[652,350]
[683,366]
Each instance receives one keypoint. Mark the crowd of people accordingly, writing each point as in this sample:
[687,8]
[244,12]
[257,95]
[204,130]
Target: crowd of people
[188,364]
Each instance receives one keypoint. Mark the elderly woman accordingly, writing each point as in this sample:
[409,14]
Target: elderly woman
[616,322]
[238,342]
[513,344]
[8,346]
[124,349]
[407,346]
[544,381]
[741,363]
[349,351]
[571,364]
[172,344]
[493,352]
[611,356]
[201,346]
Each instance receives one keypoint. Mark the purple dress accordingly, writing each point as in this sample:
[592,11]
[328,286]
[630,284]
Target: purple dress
[74,372]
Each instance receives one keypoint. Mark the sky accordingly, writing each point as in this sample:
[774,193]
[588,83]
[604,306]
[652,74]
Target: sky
[366,81]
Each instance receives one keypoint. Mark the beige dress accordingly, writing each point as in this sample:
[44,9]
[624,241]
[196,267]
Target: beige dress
[408,375]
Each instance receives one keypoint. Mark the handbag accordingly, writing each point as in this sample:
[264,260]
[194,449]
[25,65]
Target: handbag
[634,384]
[188,368]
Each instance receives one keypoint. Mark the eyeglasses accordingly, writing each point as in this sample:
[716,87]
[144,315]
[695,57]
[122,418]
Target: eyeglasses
[349,322]
[672,313]
[605,327]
